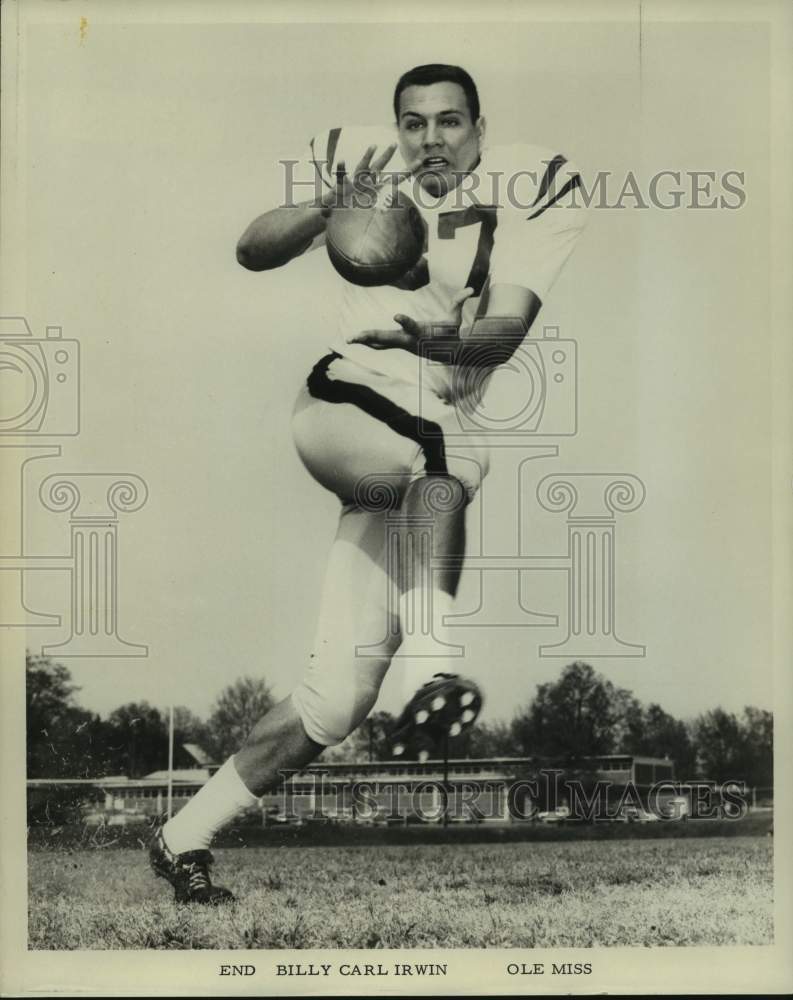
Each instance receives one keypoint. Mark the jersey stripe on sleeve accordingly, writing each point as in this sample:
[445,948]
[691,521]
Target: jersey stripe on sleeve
[553,168]
[333,142]
[317,166]
[571,185]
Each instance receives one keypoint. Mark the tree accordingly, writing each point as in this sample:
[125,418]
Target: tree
[576,716]
[49,689]
[630,735]
[721,746]
[485,739]
[189,728]
[63,739]
[138,739]
[237,710]
[758,737]
[583,714]
[654,733]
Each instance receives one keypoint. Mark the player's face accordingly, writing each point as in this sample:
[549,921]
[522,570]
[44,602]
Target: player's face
[437,138]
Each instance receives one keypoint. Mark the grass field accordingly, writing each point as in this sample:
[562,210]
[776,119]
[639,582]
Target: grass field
[644,892]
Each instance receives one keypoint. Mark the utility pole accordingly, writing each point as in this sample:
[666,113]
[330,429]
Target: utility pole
[445,779]
[170,762]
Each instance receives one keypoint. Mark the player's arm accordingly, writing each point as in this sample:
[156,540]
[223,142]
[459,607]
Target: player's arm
[278,236]
[283,233]
[498,331]
[492,339]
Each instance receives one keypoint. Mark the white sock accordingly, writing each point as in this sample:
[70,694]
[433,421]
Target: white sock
[214,805]
[420,654]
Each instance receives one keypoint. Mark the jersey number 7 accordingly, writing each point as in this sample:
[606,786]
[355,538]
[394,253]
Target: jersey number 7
[483,216]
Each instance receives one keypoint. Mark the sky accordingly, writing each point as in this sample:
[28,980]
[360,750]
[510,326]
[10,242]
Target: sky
[147,150]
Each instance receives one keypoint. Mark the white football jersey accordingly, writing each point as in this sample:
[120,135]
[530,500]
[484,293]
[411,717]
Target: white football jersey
[514,220]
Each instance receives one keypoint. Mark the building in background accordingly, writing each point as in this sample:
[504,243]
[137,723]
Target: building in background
[496,789]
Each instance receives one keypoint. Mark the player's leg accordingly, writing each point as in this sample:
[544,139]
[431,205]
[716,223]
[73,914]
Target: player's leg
[431,560]
[401,431]
[277,743]
[355,639]
[439,701]
[357,632]
[352,650]
[180,850]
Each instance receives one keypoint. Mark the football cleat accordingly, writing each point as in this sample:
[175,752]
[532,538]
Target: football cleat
[446,705]
[421,744]
[188,873]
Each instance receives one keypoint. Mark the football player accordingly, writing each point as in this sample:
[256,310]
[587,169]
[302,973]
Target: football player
[378,423]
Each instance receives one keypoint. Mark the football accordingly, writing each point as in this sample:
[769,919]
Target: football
[377,245]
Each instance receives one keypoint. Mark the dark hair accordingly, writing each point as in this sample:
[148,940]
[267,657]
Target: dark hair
[423,76]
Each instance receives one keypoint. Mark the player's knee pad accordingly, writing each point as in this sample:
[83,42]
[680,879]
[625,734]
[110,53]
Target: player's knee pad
[469,461]
[333,702]
[459,484]
[470,470]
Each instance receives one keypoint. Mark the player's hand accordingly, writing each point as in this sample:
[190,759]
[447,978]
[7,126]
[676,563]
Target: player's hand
[412,333]
[361,187]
